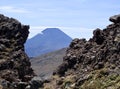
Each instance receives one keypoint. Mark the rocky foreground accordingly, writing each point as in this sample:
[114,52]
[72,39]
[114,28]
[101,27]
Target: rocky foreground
[93,64]
[15,68]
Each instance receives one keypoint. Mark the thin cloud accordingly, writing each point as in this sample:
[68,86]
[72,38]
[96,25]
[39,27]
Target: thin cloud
[12,9]
[74,32]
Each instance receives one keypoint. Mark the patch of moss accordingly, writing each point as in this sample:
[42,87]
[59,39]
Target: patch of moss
[68,82]
[102,80]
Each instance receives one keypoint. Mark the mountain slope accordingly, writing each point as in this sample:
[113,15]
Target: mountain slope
[50,40]
[45,64]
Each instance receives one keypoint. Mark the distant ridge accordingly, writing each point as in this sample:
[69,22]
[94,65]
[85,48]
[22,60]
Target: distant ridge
[45,64]
[50,40]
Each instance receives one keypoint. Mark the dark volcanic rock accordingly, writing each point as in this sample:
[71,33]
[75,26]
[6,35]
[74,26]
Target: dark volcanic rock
[14,63]
[115,18]
[102,48]
[91,64]
[98,36]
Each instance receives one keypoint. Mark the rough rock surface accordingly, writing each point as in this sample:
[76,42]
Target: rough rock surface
[92,64]
[15,68]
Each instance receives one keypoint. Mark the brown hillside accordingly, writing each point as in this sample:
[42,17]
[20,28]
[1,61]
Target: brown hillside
[45,64]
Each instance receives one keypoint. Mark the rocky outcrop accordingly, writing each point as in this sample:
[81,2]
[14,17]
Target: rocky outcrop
[15,68]
[115,18]
[92,64]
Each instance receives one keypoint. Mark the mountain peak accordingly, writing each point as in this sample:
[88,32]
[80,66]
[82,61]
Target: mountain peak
[51,29]
[50,40]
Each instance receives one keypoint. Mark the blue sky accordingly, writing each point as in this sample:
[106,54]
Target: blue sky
[77,18]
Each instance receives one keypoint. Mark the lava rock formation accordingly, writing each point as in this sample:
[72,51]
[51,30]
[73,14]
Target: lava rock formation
[92,64]
[15,67]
